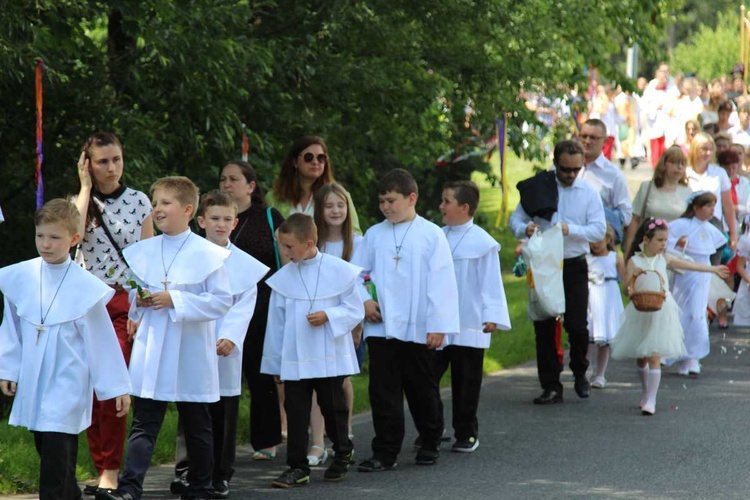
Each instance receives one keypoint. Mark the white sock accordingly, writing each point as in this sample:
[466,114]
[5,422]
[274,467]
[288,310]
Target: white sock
[590,358]
[602,358]
[654,379]
[643,375]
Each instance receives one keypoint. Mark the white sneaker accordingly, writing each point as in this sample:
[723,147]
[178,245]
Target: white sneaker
[599,383]
[314,460]
[694,367]
[684,368]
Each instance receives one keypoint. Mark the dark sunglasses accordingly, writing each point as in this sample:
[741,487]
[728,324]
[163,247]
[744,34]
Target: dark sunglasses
[308,157]
[567,170]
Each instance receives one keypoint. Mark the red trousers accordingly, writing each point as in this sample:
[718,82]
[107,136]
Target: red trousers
[657,150]
[106,435]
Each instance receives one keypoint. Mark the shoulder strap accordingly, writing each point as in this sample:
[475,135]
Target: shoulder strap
[100,220]
[645,201]
[269,216]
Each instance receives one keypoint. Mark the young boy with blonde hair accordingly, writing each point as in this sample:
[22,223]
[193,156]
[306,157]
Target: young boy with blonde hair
[182,289]
[315,304]
[58,346]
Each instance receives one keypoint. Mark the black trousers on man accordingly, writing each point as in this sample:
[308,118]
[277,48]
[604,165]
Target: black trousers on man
[466,365]
[400,368]
[58,452]
[548,350]
[332,402]
[148,415]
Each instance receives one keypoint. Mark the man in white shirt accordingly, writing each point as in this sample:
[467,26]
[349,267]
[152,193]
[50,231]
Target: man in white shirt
[605,177]
[581,216]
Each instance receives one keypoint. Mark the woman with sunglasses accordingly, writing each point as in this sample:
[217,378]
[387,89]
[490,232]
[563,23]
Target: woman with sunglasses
[113,217]
[306,168]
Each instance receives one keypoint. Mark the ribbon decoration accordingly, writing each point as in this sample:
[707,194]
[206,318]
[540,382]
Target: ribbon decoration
[39,155]
[245,144]
[502,146]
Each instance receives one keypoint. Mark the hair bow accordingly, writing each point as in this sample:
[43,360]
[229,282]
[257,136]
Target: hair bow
[657,223]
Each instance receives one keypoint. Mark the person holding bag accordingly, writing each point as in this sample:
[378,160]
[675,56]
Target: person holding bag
[578,209]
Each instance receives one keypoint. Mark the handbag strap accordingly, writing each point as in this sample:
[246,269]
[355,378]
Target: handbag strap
[645,201]
[269,216]
[99,216]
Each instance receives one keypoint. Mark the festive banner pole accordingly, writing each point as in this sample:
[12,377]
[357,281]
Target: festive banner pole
[39,155]
[245,144]
[502,146]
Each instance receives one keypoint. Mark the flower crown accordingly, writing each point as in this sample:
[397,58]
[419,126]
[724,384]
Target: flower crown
[660,223]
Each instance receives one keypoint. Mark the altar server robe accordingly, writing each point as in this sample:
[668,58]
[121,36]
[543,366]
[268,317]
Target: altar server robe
[244,272]
[77,352]
[174,351]
[296,350]
[480,284]
[417,294]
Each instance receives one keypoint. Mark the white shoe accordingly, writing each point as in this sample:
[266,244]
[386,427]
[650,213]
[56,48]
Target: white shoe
[648,410]
[314,460]
[599,383]
[694,367]
[684,368]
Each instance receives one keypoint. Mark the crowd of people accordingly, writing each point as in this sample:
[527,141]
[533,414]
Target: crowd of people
[281,289]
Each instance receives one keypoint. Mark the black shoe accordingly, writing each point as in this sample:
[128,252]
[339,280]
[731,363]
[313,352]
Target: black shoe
[427,457]
[221,489]
[375,465]
[107,494]
[339,467]
[292,478]
[179,485]
[549,397]
[582,387]
[90,490]
[465,445]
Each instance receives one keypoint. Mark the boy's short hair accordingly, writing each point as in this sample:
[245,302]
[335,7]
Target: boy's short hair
[465,192]
[59,211]
[400,181]
[300,225]
[216,198]
[183,188]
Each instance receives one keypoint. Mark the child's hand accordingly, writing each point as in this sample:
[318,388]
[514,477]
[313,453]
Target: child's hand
[372,312]
[435,340]
[489,327]
[721,271]
[132,329]
[143,299]
[161,300]
[317,318]
[682,242]
[122,403]
[357,335]
[8,387]
[224,347]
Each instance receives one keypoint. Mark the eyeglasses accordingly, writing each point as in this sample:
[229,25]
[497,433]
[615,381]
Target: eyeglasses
[591,137]
[567,170]
[309,157]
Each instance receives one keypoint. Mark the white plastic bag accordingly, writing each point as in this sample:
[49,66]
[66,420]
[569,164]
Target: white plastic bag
[543,254]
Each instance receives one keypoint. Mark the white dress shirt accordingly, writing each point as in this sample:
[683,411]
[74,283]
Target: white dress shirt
[580,207]
[611,184]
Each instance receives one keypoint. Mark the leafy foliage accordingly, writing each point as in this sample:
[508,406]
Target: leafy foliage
[711,52]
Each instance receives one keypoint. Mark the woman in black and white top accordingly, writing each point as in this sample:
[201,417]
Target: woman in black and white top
[114,217]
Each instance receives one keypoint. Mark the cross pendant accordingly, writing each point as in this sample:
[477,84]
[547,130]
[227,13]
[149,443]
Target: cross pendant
[397,258]
[165,282]
[39,330]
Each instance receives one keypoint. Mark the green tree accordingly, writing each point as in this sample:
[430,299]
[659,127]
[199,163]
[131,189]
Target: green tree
[711,52]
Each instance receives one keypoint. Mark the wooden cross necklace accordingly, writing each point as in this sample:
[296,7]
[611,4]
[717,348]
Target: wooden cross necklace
[43,316]
[166,281]
[397,245]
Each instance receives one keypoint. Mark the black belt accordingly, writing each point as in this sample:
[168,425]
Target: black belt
[574,260]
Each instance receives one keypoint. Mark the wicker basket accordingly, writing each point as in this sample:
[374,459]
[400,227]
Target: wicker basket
[648,301]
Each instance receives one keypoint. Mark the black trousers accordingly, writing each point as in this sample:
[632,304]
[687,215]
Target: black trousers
[265,417]
[57,471]
[148,415]
[466,365]
[332,402]
[396,369]
[548,349]
[224,415]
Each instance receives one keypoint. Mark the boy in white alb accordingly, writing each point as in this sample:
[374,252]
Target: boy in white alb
[183,289]
[217,215]
[58,346]
[410,264]
[315,304]
[482,308]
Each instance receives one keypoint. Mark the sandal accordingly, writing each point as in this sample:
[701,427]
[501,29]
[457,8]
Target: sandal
[315,460]
[263,455]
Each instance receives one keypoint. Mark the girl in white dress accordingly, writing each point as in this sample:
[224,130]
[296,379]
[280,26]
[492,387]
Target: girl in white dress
[336,237]
[742,302]
[649,336]
[699,239]
[606,267]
